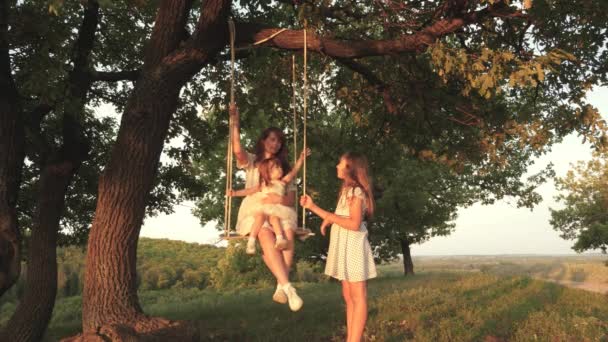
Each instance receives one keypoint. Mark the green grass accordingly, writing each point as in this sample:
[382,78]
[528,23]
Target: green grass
[431,306]
[427,307]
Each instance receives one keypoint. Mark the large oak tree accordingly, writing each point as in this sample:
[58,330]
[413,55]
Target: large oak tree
[486,73]
[463,83]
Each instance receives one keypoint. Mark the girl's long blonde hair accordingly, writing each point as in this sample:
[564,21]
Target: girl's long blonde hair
[358,173]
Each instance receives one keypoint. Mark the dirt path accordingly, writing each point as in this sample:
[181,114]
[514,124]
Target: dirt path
[593,287]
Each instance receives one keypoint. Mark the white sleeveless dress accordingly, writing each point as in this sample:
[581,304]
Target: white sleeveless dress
[252,204]
[350,255]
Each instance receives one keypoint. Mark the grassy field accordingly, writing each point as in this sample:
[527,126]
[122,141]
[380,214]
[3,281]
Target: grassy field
[448,300]
[587,272]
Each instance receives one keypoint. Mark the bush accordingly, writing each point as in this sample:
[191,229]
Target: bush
[306,271]
[236,269]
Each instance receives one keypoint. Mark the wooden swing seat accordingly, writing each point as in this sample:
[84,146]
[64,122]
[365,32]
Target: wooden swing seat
[232,235]
[301,234]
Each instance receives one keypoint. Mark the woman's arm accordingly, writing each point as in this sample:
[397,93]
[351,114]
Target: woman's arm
[352,222]
[239,153]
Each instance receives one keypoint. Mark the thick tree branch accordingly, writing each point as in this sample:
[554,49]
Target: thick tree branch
[115,76]
[33,128]
[5,63]
[169,29]
[208,38]
[86,36]
[11,160]
[75,144]
[249,33]
[211,27]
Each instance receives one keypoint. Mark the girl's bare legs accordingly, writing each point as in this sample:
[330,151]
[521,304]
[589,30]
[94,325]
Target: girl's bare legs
[349,308]
[358,294]
[280,243]
[255,230]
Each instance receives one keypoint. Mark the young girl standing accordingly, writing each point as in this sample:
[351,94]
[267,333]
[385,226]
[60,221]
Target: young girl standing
[349,258]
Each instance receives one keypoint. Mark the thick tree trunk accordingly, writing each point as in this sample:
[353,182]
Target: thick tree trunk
[31,317]
[110,303]
[408,264]
[11,161]
[29,321]
[110,294]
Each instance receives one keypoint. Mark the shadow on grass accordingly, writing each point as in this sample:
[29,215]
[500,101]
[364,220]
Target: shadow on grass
[503,324]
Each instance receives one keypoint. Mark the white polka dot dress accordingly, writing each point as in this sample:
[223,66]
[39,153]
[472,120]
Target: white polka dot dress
[350,255]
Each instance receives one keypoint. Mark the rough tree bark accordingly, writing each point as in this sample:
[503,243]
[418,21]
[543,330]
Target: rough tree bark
[408,264]
[33,313]
[111,308]
[11,161]
[29,321]
[110,304]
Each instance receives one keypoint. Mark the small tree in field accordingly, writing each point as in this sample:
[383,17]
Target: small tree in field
[585,195]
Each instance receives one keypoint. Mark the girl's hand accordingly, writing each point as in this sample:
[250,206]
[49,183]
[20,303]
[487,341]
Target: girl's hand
[307,151]
[306,201]
[272,199]
[324,225]
[230,193]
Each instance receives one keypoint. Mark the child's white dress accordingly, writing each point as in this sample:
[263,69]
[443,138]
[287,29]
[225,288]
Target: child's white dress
[350,255]
[252,204]
[281,211]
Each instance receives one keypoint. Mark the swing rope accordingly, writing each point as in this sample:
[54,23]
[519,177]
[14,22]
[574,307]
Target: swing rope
[228,201]
[295,119]
[305,114]
[304,233]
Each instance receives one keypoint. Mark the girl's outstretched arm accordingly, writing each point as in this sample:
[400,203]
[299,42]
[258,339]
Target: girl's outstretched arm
[352,222]
[243,192]
[239,153]
[296,168]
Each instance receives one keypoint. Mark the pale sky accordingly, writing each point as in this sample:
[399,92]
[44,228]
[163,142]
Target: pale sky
[480,230]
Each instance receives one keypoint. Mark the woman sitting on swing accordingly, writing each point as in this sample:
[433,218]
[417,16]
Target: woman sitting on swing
[271,144]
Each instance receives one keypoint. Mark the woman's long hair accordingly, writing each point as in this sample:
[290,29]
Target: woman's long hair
[358,173]
[283,152]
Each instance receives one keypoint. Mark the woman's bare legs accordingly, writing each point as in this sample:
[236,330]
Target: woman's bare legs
[289,251]
[272,257]
[274,260]
[358,294]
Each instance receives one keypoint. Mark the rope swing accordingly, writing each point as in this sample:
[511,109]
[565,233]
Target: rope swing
[304,114]
[302,233]
[228,233]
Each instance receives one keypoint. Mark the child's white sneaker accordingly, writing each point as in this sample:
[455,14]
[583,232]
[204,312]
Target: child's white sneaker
[279,295]
[295,302]
[281,243]
[250,246]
